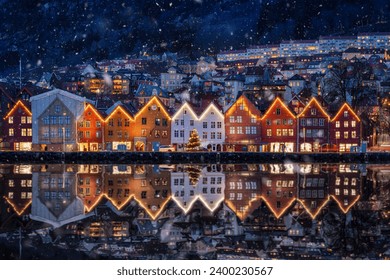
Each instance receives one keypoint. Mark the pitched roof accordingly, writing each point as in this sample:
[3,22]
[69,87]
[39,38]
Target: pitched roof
[149,91]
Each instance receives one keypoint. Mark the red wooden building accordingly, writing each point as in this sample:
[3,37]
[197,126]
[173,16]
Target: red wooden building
[345,129]
[279,128]
[90,130]
[243,126]
[313,127]
[17,128]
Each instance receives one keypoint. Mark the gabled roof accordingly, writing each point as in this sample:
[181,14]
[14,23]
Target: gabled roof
[345,106]
[149,91]
[314,102]
[22,104]
[249,102]
[276,102]
[160,103]
[60,92]
[118,106]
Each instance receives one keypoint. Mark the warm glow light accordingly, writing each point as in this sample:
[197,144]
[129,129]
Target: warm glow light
[147,105]
[242,214]
[270,109]
[185,106]
[19,212]
[283,210]
[313,215]
[211,105]
[245,102]
[201,199]
[345,105]
[349,206]
[94,110]
[313,100]
[27,110]
[119,107]
[157,214]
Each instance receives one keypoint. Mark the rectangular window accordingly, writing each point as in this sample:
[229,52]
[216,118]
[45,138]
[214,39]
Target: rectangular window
[345,134]
[353,123]
[269,132]
[253,129]
[345,123]
[219,135]
[231,119]
[337,124]
[309,122]
[212,124]
[98,124]
[239,119]
[111,122]
[23,120]
[88,134]
[232,130]
[144,121]
[212,135]
[143,132]
[176,133]
[268,122]
[345,114]
[321,122]
[290,132]
[11,132]
[315,122]
[337,134]
[204,124]
[204,136]
[253,119]
[277,111]
[313,111]
[278,132]
[239,130]
[24,132]
[176,122]
[127,122]
[157,122]
[219,124]
[191,122]
[164,122]
[303,122]
[29,119]
[182,122]
[29,131]
[110,133]
[98,134]
[353,134]
[87,124]
[247,130]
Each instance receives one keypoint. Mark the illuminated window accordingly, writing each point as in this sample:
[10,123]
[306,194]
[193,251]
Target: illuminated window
[353,123]
[345,134]
[337,191]
[345,114]
[321,122]
[241,106]
[253,119]
[239,119]
[11,132]
[284,132]
[11,183]
[291,132]
[345,123]
[353,192]
[313,111]
[278,132]
[253,129]
[337,124]
[337,134]
[269,132]
[231,119]
[345,192]
[157,122]
[239,130]
[29,119]
[337,181]
[353,134]
[23,120]
[143,132]
[353,181]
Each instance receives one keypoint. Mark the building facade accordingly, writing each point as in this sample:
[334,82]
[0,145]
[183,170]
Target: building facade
[90,130]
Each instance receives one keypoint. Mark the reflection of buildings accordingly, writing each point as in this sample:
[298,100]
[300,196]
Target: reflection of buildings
[243,187]
[17,186]
[90,184]
[55,199]
[208,187]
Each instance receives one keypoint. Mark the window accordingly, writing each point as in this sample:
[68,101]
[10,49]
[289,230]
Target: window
[29,131]
[182,133]
[29,119]
[241,106]
[111,122]
[110,133]
[247,130]
[57,109]
[157,133]
[204,136]
[23,120]
[127,122]
[277,111]
[321,122]
[345,123]
[87,124]
[87,134]
[24,132]
[143,132]
[239,119]
[303,122]
[204,124]
[231,119]
[253,129]
[11,132]
[176,122]
[313,111]
[278,122]
[253,119]
[164,122]
[98,124]
[191,122]
[309,122]
[219,124]
[269,132]
[157,122]
[144,121]
[176,133]
[353,123]
[98,134]
[219,135]
[337,134]
[239,130]
[290,132]
[212,135]
[345,114]
[278,132]
[212,124]
[353,134]
[232,130]
[345,134]
[337,124]
[268,122]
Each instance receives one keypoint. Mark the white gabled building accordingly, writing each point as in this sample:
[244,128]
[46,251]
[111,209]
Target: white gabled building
[208,188]
[210,125]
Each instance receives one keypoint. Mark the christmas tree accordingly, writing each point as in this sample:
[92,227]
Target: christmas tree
[194,141]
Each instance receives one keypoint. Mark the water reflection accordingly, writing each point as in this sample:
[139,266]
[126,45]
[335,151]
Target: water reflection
[209,211]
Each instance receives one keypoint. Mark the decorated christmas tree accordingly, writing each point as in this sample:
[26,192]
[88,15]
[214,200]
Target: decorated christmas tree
[194,141]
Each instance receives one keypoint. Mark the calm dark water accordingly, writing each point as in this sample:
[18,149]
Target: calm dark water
[257,211]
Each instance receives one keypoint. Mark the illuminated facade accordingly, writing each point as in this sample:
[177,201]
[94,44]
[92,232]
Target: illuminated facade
[279,128]
[243,126]
[117,128]
[90,130]
[313,127]
[152,126]
[184,121]
[90,185]
[345,129]
[17,128]
[54,116]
